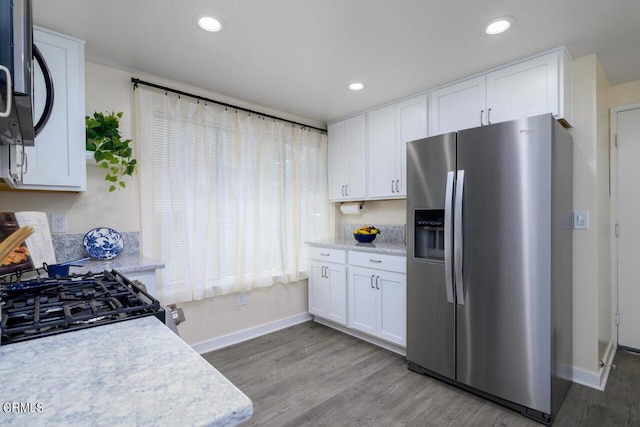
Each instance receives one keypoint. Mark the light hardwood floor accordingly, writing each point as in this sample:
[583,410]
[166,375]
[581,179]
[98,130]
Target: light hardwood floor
[312,375]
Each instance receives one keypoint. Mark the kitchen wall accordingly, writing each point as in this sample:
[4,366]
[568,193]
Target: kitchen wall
[592,316]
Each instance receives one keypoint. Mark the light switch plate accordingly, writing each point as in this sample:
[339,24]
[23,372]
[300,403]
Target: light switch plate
[581,220]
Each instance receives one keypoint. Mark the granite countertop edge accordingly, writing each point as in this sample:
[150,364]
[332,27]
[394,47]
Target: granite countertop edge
[122,263]
[391,248]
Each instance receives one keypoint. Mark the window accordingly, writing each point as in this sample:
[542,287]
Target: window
[227,198]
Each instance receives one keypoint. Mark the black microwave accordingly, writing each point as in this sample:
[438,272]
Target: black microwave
[17,53]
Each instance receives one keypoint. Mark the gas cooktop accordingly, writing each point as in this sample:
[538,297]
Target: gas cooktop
[46,306]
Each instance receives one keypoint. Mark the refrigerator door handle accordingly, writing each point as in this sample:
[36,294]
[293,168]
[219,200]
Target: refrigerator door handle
[448,206]
[458,238]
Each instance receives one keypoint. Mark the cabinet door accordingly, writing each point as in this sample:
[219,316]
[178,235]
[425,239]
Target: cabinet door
[356,161]
[328,291]
[525,89]
[337,308]
[57,159]
[411,124]
[337,165]
[362,300]
[382,151]
[318,289]
[458,106]
[392,306]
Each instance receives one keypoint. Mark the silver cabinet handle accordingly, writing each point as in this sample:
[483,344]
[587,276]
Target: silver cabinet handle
[481,114]
[448,207]
[392,190]
[25,163]
[343,190]
[377,261]
[377,282]
[346,190]
[7,111]
[372,276]
[489,116]
[397,185]
[324,254]
[458,238]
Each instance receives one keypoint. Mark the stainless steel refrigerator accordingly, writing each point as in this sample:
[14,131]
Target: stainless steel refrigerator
[489,223]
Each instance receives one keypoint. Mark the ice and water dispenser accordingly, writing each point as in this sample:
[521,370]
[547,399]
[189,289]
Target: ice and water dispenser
[429,234]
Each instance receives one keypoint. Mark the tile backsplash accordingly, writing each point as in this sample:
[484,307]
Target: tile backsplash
[69,246]
[388,233]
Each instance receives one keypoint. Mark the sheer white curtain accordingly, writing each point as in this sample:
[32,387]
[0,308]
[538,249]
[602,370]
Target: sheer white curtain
[227,198]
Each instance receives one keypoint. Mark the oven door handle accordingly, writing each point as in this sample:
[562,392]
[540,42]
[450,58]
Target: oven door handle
[48,83]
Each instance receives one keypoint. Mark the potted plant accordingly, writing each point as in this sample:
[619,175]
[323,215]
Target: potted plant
[110,151]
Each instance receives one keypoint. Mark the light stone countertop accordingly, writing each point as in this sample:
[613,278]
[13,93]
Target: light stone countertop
[122,263]
[391,248]
[131,373]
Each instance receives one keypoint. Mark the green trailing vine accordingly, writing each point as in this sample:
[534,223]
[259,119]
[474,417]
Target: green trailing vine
[110,151]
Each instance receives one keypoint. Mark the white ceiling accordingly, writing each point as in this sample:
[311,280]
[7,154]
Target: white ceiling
[298,56]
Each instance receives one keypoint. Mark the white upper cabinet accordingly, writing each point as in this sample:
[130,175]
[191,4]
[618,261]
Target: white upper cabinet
[539,85]
[57,160]
[390,128]
[457,106]
[347,165]
[411,124]
[382,150]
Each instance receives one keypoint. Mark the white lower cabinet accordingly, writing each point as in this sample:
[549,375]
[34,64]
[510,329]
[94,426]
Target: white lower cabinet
[364,291]
[377,298]
[327,286]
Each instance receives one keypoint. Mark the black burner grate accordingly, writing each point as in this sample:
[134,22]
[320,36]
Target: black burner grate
[43,307]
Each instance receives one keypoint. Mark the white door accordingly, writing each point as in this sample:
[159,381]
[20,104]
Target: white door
[392,307]
[319,297]
[382,152]
[337,164]
[362,300]
[628,210]
[337,309]
[458,106]
[525,89]
[356,161]
[411,124]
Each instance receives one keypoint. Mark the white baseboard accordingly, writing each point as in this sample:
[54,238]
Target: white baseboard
[586,378]
[247,334]
[380,343]
[597,380]
[608,362]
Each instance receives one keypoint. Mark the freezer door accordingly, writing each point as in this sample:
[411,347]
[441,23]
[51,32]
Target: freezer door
[503,316]
[430,299]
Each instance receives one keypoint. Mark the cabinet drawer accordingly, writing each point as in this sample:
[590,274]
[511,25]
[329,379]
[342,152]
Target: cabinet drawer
[379,261]
[328,255]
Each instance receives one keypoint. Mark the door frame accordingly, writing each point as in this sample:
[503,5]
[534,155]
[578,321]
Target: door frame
[613,191]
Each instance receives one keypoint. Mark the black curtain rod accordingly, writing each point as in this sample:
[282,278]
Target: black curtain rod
[137,82]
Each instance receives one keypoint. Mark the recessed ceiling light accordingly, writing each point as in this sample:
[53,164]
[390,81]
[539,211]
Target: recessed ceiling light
[356,86]
[499,25]
[209,23]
